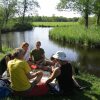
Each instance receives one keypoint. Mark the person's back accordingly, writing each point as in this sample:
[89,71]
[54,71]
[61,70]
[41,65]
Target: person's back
[18,70]
[20,76]
[65,80]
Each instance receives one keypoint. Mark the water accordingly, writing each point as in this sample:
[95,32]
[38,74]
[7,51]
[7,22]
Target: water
[87,59]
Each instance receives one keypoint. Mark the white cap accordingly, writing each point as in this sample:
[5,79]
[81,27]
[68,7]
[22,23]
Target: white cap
[60,55]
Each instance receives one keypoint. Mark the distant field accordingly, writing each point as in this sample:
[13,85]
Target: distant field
[54,24]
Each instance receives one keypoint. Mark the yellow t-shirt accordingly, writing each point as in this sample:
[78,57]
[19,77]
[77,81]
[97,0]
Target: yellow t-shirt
[18,70]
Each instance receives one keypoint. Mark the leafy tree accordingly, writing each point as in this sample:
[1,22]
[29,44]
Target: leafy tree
[83,6]
[25,7]
[97,10]
[9,9]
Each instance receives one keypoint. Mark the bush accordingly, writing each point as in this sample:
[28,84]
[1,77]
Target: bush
[22,26]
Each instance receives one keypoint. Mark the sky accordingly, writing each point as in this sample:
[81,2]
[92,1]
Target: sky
[48,8]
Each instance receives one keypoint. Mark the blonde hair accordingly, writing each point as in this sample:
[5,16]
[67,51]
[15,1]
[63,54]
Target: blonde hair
[23,44]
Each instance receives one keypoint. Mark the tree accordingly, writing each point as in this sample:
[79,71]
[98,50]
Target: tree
[83,6]
[9,9]
[97,10]
[25,7]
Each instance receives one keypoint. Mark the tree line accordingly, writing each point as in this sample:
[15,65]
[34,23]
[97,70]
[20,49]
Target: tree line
[50,19]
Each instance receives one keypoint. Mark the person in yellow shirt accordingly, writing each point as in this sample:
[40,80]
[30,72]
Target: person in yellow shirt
[20,75]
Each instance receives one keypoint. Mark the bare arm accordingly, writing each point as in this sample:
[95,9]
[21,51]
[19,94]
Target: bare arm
[38,75]
[56,72]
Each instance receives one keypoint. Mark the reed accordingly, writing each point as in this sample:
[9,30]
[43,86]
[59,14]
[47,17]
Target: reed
[77,35]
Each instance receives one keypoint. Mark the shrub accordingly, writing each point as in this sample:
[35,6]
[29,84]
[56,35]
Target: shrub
[22,26]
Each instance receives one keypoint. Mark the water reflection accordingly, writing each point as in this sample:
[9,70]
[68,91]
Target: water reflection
[87,59]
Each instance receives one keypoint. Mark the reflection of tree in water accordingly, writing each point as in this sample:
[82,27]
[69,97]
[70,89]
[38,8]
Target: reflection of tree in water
[83,59]
[89,62]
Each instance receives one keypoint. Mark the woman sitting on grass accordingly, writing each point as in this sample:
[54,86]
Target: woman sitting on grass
[25,46]
[62,71]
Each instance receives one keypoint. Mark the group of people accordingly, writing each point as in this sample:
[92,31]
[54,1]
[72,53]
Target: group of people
[20,72]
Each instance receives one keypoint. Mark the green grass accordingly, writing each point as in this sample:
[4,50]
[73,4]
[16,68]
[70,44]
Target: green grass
[84,79]
[91,93]
[77,34]
[54,24]
[5,50]
[73,33]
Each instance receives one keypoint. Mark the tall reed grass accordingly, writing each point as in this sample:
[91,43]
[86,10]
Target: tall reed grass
[77,34]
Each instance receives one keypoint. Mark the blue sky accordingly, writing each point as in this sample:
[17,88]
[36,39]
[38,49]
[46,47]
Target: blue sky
[48,8]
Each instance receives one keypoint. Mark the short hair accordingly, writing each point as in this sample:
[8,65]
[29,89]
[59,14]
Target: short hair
[18,52]
[38,42]
[23,44]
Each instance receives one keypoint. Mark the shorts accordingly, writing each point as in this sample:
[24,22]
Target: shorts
[38,90]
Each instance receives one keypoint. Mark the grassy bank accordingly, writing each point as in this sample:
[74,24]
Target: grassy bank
[77,34]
